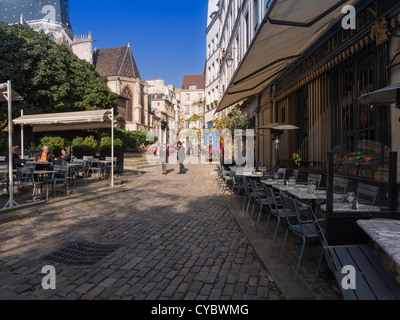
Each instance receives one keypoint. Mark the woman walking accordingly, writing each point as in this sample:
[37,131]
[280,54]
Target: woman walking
[164,153]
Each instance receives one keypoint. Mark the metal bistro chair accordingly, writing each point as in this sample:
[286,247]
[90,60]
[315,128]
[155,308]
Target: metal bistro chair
[276,209]
[398,202]
[107,168]
[94,166]
[61,176]
[302,227]
[262,202]
[224,177]
[340,185]
[260,198]
[247,190]
[316,178]
[238,183]
[366,193]
[81,168]
[372,280]
[255,190]
[27,178]
[2,159]
[4,176]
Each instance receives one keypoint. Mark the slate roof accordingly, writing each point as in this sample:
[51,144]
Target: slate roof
[11,10]
[193,79]
[116,61]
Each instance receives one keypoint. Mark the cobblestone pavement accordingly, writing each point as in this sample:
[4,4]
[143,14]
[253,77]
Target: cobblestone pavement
[175,238]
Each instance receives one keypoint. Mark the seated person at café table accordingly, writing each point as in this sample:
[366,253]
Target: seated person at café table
[45,156]
[64,156]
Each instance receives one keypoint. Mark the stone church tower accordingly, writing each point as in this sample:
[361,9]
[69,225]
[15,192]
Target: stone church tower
[51,17]
[46,16]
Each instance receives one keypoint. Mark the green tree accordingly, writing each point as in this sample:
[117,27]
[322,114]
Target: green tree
[49,76]
[236,120]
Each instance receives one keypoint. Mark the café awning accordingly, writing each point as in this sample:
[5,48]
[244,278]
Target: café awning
[289,28]
[385,96]
[82,120]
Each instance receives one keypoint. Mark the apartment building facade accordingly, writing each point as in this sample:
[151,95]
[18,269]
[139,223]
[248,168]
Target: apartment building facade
[213,59]
[165,105]
[192,101]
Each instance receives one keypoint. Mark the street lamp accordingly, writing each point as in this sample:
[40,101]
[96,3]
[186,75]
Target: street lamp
[229,58]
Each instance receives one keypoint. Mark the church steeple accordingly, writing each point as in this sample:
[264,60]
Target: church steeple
[51,11]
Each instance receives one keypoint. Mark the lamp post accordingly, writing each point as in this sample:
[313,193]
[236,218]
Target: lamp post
[277,131]
[277,140]
[229,58]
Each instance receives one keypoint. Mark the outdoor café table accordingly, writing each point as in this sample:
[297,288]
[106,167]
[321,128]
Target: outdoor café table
[257,175]
[385,233]
[40,165]
[339,207]
[271,182]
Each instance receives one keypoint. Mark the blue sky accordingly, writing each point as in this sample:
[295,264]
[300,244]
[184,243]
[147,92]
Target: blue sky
[167,37]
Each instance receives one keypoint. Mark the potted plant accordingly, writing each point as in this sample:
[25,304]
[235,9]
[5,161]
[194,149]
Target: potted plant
[296,159]
[105,151]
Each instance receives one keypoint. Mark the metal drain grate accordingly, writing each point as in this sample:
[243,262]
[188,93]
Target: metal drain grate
[80,254]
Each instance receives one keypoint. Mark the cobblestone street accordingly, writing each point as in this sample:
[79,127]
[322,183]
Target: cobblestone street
[175,238]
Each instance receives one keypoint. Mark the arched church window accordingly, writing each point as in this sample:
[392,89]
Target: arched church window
[127,93]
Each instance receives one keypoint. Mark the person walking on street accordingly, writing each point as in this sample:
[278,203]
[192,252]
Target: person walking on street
[181,157]
[164,153]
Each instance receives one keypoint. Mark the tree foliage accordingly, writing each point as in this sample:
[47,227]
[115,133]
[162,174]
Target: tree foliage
[235,120]
[48,75]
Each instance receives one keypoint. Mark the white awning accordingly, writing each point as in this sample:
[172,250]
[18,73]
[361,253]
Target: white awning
[67,121]
[287,31]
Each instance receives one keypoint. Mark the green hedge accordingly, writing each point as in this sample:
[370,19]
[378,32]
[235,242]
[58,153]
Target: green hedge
[3,144]
[52,142]
[133,139]
[105,144]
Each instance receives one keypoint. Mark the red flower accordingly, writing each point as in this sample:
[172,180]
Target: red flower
[345,157]
[293,155]
[367,159]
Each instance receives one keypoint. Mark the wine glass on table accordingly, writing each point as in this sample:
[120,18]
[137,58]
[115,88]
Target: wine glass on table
[350,196]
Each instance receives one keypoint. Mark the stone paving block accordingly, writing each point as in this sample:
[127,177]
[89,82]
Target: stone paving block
[177,239]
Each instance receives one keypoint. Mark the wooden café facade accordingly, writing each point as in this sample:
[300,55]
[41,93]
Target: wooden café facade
[311,75]
[319,93]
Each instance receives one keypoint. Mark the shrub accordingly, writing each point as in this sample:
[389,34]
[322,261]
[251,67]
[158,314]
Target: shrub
[77,143]
[52,142]
[3,143]
[106,144]
[133,139]
[90,143]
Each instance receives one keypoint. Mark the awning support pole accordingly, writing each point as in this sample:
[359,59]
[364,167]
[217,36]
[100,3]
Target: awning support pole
[22,136]
[112,147]
[11,201]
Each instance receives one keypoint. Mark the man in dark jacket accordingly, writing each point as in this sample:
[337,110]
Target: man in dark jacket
[181,157]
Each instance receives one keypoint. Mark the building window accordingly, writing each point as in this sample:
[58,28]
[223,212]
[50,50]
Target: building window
[256,15]
[247,30]
[187,109]
[187,96]
[127,93]
[193,87]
